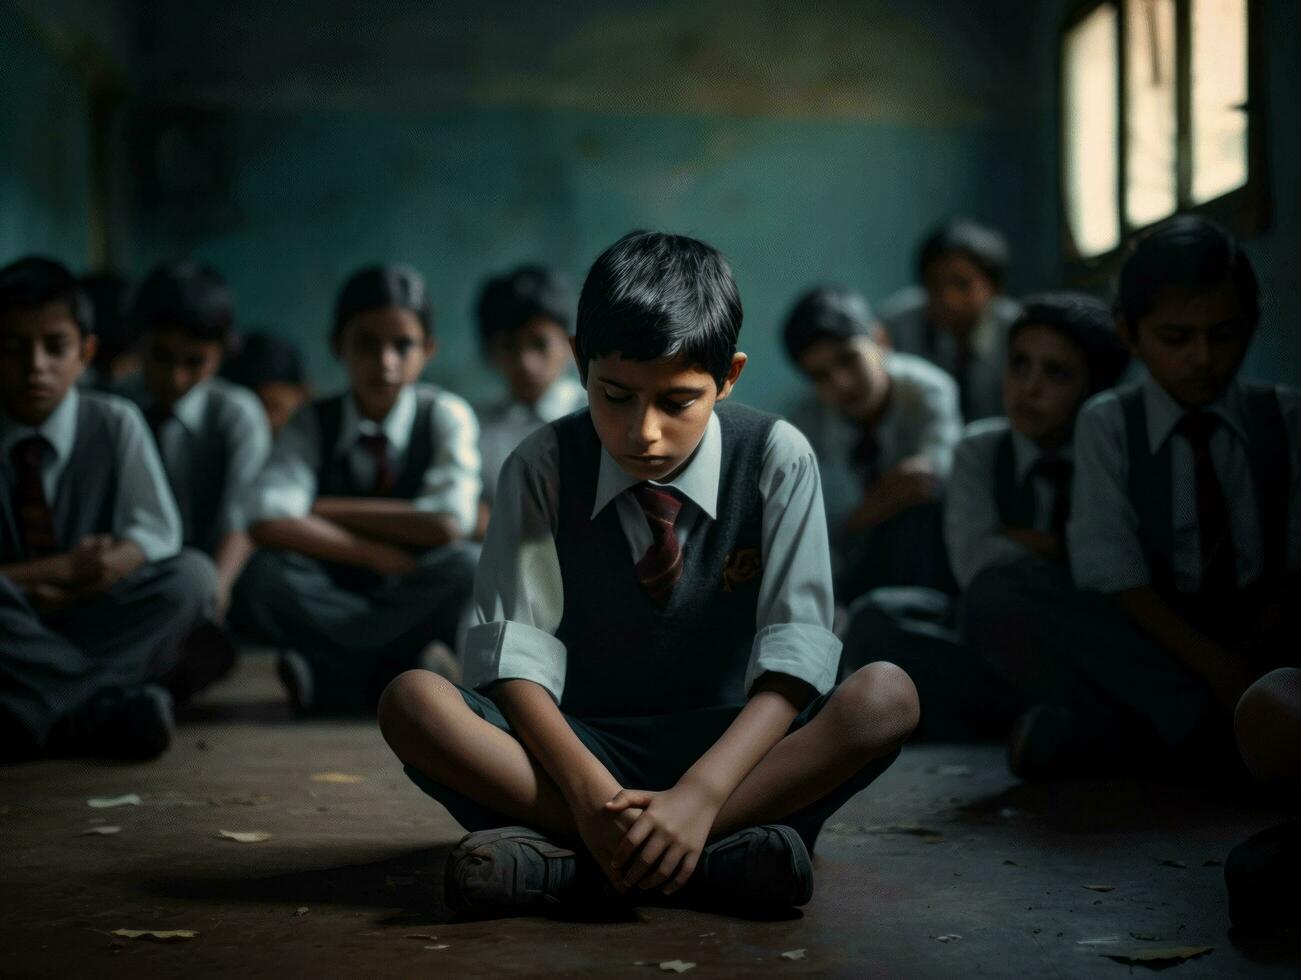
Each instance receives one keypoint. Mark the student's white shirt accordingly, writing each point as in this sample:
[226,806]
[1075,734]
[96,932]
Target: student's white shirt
[287,485]
[143,508]
[1106,554]
[973,524]
[504,425]
[922,419]
[519,598]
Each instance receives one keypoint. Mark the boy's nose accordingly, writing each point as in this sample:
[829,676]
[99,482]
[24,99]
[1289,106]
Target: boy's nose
[646,430]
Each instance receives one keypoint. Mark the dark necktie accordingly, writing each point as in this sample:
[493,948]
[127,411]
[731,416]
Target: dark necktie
[1057,472]
[866,454]
[1219,557]
[377,446]
[660,568]
[35,517]
[962,375]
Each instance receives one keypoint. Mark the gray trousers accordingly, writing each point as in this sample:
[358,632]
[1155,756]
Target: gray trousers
[53,664]
[357,630]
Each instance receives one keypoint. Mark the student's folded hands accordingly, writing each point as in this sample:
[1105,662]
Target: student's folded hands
[664,844]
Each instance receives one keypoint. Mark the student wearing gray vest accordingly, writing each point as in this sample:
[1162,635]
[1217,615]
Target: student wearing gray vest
[94,596]
[1185,535]
[212,436]
[1008,502]
[883,426]
[362,510]
[650,680]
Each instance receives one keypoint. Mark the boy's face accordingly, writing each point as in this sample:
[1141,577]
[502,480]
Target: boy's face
[651,415]
[175,364]
[531,357]
[1045,384]
[42,354]
[1192,343]
[957,292]
[384,351]
[847,375]
[280,399]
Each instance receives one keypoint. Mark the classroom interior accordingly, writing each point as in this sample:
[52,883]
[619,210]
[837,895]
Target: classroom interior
[288,144]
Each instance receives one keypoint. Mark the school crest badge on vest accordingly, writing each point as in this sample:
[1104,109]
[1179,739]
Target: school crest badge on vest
[742,565]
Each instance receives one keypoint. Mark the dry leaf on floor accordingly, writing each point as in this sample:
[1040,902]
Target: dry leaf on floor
[706,935]
[439,946]
[948,937]
[954,771]
[1100,888]
[335,777]
[105,802]
[676,966]
[794,954]
[103,830]
[1100,941]
[245,836]
[301,910]
[157,935]
[1148,957]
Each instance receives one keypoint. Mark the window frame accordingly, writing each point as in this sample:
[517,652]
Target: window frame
[1245,209]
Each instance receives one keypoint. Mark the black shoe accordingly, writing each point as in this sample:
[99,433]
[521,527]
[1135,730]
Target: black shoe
[207,655]
[515,871]
[1054,742]
[296,675]
[132,724]
[755,869]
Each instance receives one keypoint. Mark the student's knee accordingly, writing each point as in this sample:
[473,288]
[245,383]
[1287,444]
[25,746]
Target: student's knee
[1268,726]
[187,582]
[414,700]
[876,707]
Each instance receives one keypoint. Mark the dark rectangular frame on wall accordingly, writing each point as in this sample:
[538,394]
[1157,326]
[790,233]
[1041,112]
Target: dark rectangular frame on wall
[1246,210]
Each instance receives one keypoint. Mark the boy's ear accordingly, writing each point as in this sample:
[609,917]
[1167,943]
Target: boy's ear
[431,347]
[881,336]
[733,373]
[89,348]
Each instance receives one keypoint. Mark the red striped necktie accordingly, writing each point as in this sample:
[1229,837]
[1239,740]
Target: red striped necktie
[661,567]
[377,446]
[35,517]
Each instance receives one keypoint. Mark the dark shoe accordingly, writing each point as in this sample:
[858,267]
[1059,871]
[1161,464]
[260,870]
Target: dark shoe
[1054,742]
[757,868]
[131,724]
[296,675]
[1261,874]
[207,655]
[515,871]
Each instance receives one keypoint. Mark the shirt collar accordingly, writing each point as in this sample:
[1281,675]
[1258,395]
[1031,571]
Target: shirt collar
[1026,453]
[189,410]
[1164,413]
[59,430]
[698,480]
[396,426]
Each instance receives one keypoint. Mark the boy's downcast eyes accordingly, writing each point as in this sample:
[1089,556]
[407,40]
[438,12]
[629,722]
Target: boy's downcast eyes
[668,405]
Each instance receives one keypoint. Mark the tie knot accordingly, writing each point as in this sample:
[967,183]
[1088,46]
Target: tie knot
[1198,427]
[29,452]
[659,505]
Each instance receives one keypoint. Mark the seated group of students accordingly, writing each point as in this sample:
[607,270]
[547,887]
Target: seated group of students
[653,682]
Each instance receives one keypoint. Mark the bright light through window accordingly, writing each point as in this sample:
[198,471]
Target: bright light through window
[1151,180]
[1092,135]
[1219,96]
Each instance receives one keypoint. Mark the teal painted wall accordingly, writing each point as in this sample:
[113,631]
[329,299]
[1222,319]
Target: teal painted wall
[464,193]
[44,149]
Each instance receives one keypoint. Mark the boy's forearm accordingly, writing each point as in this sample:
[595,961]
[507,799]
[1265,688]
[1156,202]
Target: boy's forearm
[51,570]
[233,551]
[313,536]
[763,722]
[394,521]
[539,725]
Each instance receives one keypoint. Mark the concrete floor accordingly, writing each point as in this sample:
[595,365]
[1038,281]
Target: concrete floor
[946,844]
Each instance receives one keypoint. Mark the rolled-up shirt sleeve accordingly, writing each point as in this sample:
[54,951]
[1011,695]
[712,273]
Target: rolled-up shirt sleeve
[286,487]
[452,484]
[248,437]
[973,527]
[1105,552]
[518,595]
[795,607]
[943,427]
[144,510]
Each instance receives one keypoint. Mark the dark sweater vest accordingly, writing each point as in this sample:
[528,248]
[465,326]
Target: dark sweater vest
[626,657]
[334,477]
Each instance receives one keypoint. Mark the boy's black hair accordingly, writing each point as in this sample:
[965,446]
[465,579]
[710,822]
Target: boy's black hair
[510,300]
[1186,252]
[1086,322]
[187,297]
[110,299]
[826,313]
[984,246]
[264,358]
[33,281]
[652,296]
[378,287]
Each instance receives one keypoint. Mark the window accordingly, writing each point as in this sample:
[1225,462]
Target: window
[1155,116]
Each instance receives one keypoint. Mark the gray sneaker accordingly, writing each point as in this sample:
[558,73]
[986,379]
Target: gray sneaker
[765,867]
[510,871]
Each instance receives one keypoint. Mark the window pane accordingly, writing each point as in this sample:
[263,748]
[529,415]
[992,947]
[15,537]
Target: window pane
[1151,190]
[1092,132]
[1219,124]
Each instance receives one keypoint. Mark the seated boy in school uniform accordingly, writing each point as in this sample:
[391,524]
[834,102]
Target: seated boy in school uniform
[959,317]
[883,425]
[1008,501]
[361,511]
[272,368]
[650,680]
[95,593]
[212,436]
[1185,533]
[524,318]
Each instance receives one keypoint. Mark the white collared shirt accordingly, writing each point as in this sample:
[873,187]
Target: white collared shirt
[143,510]
[973,524]
[504,425]
[519,600]
[287,485]
[1106,554]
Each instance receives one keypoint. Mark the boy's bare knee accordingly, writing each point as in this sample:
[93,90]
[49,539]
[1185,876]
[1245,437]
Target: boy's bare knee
[413,697]
[879,706]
